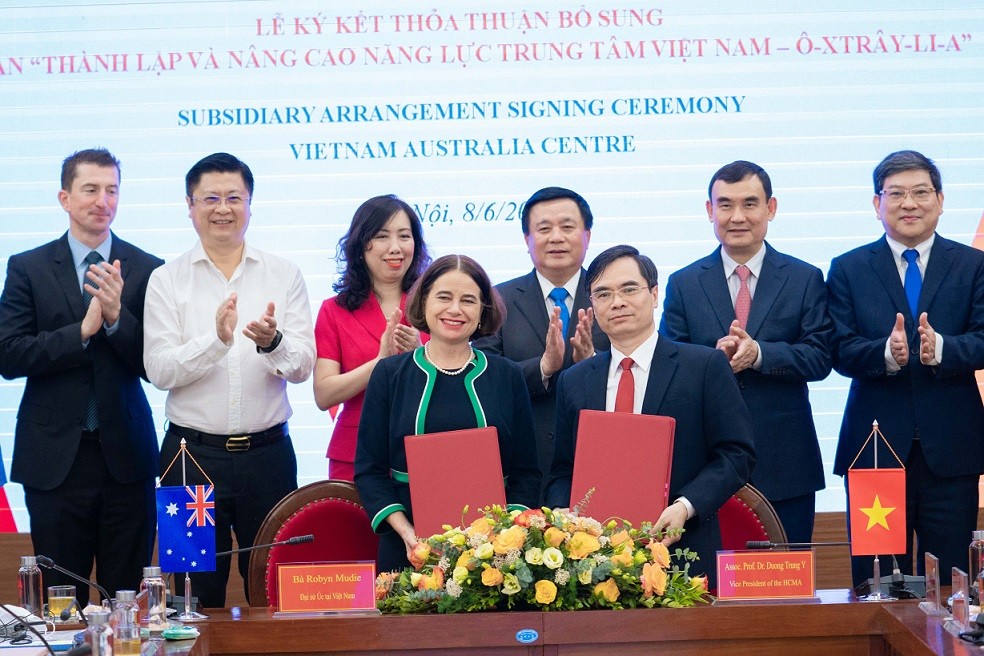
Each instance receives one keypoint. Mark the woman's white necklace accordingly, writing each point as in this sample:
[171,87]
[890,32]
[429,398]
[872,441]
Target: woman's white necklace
[445,371]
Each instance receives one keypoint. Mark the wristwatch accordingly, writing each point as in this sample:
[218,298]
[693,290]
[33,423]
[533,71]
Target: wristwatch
[273,345]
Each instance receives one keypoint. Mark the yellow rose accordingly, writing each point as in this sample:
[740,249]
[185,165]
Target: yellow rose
[460,574]
[582,545]
[481,526]
[546,592]
[553,536]
[484,551]
[552,557]
[623,559]
[608,590]
[415,578]
[419,554]
[621,537]
[457,539]
[512,538]
[584,576]
[433,581]
[491,577]
[466,559]
[534,556]
[661,555]
[510,584]
[699,583]
[653,580]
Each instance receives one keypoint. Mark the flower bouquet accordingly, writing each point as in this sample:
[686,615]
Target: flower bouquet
[541,560]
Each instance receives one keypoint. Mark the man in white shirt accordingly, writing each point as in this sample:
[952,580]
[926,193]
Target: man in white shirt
[226,378]
[647,373]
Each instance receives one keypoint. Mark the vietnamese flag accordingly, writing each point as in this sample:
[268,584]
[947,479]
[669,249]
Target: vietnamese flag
[877,498]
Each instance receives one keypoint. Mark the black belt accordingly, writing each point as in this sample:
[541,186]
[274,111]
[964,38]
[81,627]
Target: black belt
[234,443]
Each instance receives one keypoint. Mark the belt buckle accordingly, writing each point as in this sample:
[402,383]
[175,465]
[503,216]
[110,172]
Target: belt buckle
[238,443]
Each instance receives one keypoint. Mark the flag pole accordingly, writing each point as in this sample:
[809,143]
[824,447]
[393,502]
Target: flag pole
[875,591]
[189,615]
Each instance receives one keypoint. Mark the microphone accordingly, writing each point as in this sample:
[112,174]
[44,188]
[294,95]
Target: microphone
[48,563]
[67,613]
[297,539]
[765,544]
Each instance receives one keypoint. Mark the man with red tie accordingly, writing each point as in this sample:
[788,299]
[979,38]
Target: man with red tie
[768,312]
[647,373]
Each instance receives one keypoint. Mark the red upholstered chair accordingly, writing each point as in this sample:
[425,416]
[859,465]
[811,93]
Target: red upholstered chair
[329,510]
[748,516]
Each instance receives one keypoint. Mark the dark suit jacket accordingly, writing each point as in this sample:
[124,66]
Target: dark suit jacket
[941,404]
[522,339]
[789,321]
[41,315]
[713,451]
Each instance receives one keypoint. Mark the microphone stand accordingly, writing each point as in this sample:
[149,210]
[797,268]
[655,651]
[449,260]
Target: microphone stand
[190,615]
[48,563]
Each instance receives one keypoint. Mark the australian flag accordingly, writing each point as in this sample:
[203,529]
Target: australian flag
[186,528]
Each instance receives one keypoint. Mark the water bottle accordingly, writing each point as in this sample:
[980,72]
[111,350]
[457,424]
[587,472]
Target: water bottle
[29,586]
[126,630]
[99,634]
[153,583]
[976,568]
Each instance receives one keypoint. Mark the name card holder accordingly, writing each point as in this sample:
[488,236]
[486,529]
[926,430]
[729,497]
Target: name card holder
[766,576]
[932,606]
[326,588]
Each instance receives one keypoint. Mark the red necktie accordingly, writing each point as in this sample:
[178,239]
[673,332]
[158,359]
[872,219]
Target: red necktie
[743,302]
[625,394]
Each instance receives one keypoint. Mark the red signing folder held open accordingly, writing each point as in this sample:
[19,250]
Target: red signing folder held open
[449,471]
[626,458]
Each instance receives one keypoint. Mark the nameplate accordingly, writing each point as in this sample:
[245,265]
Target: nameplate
[326,587]
[766,575]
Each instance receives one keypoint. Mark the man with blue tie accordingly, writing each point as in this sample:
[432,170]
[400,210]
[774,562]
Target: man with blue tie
[85,449]
[908,312]
[768,312]
[549,322]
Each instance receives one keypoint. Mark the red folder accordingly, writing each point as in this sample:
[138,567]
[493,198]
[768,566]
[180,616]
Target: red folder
[626,458]
[449,471]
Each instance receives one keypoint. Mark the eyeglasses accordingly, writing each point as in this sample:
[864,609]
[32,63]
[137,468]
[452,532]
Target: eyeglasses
[606,296]
[233,202]
[896,196]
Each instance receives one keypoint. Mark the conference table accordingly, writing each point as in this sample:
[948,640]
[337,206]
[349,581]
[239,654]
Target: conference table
[836,625]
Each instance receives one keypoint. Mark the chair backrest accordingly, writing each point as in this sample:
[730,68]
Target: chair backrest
[331,511]
[748,515]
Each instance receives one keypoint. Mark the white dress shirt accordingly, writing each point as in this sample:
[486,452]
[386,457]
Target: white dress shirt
[642,361]
[215,387]
[922,261]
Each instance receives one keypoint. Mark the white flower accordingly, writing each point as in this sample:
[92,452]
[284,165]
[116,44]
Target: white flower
[562,576]
[510,584]
[453,589]
[534,556]
[484,551]
[552,557]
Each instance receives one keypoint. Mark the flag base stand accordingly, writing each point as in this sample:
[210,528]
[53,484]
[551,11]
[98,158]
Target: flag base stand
[189,615]
[876,593]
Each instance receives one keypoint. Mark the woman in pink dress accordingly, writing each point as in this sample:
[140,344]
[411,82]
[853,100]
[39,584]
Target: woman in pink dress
[383,254]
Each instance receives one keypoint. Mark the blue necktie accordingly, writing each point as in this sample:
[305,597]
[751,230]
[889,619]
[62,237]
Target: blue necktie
[913,280]
[559,296]
[90,421]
